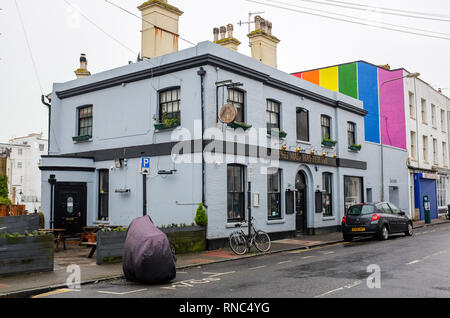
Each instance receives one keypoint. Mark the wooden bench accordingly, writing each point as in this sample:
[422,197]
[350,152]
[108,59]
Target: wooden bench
[92,245]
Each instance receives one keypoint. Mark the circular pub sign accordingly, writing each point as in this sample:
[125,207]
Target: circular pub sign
[228,113]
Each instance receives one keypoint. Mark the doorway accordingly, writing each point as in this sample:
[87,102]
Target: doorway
[300,203]
[70,206]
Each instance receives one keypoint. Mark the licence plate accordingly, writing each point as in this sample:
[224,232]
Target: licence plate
[358,229]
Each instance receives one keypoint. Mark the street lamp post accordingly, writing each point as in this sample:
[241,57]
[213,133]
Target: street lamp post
[410,75]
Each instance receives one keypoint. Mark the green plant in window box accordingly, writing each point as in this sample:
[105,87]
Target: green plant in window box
[327,142]
[238,124]
[81,138]
[278,133]
[167,123]
[355,147]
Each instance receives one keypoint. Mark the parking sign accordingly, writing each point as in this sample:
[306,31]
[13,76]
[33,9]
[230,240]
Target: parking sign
[145,165]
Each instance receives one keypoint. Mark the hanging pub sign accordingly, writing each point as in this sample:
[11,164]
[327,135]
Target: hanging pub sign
[228,113]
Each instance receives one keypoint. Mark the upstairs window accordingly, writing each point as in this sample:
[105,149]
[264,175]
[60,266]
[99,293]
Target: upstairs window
[302,124]
[272,116]
[236,97]
[325,123]
[170,105]
[424,111]
[351,133]
[85,121]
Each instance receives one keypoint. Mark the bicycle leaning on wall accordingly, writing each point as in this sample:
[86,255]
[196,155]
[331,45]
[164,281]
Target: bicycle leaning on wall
[240,243]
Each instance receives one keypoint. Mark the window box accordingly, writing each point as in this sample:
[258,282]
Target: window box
[329,142]
[81,138]
[238,124]
[278,133]
[167,124]
[355,147]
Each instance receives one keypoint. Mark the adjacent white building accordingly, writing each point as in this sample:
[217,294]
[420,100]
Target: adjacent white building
[22,169]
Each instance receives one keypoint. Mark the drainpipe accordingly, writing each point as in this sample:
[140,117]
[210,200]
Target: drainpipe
[49,118]
[202,74]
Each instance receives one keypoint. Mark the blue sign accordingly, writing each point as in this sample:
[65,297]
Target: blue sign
[145,162]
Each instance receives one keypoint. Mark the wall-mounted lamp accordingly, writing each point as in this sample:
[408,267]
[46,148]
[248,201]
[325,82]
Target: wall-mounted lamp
[166,172]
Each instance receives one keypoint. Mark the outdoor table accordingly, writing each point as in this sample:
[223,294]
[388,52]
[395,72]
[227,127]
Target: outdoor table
[59,236]
[87,230]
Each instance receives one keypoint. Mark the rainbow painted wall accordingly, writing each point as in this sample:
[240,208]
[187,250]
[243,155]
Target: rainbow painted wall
[362,80]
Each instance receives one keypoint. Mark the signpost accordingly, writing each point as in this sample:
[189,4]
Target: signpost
[145,170]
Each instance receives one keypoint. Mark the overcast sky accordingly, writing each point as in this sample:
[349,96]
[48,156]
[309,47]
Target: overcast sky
[57,35]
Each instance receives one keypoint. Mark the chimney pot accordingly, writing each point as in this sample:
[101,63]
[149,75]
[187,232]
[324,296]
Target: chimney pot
[223,31]
[269,28]
[216,34]
[263,25]
[257,22]
[230,30]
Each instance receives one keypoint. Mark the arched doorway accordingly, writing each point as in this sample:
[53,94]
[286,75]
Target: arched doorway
[300,202]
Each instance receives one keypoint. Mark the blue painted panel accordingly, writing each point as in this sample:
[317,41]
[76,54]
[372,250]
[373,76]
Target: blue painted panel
[368,93]
[423,187]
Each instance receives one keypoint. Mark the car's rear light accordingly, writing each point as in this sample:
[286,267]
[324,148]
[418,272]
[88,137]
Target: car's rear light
[375,217]
[344,219]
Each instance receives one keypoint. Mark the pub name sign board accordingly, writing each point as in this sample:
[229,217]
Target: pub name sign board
[307,158]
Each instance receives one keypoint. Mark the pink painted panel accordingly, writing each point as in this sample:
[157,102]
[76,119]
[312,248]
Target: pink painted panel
[392,108]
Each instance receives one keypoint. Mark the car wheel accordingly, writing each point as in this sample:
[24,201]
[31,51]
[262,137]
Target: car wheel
[384,233]
[348,238]
[410,230]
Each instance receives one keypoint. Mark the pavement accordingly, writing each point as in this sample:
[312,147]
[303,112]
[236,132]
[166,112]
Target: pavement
[24,285]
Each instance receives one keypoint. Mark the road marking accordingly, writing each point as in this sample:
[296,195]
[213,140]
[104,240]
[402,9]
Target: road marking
[329,253]
[257,267]
[427,257]
[182,272]
[318,248]
[124,293]
[279,263]
[354,284]
[304,257]
[213,277]
[56,292]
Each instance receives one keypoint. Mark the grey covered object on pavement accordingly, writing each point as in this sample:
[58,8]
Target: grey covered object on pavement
[148,258]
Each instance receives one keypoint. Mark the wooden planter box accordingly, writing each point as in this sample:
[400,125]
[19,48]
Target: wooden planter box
[17,210]
[26,254]
[19,224]
[110,245]
[187,239]
[3,210]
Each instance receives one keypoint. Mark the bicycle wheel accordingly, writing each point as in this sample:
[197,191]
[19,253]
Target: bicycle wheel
[238,243]
[262,241]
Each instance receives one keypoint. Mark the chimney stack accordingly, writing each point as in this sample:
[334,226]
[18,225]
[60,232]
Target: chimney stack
[83,71]
[263,43]
[159,28]
[226,37]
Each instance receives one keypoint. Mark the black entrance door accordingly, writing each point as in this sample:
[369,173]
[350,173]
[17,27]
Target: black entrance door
[70,207]
[300,202]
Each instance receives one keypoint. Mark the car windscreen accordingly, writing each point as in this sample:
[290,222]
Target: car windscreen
[361,209]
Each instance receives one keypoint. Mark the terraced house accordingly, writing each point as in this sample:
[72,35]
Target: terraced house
[295,154]
[414,118]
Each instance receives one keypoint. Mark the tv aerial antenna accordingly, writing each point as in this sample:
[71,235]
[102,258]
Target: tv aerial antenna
[249,22]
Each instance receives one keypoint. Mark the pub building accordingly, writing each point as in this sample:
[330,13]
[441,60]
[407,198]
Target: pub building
[102,125]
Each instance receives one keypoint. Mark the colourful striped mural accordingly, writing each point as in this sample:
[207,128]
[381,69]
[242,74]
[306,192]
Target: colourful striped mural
[363,81]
